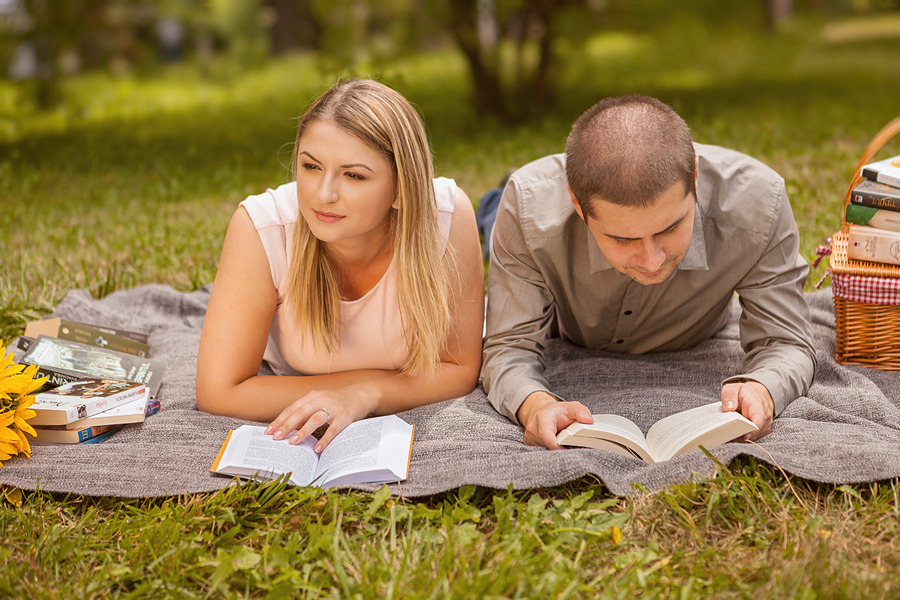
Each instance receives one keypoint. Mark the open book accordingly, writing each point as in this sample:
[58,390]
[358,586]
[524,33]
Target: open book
[373,450]
[676,434]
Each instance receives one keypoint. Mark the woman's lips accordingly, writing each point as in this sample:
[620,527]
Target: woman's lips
[327,217]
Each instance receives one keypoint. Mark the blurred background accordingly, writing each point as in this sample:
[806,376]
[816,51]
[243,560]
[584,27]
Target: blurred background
[131,129]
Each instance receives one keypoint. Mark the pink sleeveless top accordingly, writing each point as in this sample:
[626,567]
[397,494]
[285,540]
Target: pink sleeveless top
[372,335]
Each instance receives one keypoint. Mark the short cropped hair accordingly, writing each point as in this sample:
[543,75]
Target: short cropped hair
[628,150]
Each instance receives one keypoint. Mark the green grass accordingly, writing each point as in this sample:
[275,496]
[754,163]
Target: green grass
[132,180]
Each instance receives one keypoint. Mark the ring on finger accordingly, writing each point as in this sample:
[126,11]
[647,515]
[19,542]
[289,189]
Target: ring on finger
[327,414]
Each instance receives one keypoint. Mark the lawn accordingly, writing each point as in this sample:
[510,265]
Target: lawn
[133,179]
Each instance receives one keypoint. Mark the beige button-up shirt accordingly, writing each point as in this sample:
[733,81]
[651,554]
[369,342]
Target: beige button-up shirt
[546,265]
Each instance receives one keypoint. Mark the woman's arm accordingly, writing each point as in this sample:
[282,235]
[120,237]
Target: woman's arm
[235,332]
[456,375]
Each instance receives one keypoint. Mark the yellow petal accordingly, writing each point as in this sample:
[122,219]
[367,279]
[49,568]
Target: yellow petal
[8,434]
[616,535]
[6,419]
[24,446]
[23,425]
[13,495]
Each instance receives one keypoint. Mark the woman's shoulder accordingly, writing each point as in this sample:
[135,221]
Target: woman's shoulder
[276,207]
[445,191]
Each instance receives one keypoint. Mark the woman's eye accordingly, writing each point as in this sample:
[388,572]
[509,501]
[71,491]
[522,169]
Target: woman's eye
[353,175]
[310,166]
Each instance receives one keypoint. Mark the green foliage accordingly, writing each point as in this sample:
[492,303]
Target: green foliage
[133,179]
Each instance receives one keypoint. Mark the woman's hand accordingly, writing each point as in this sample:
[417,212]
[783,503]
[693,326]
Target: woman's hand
[337,408]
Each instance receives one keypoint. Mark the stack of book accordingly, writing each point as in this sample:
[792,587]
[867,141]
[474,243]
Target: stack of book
[874,214]
[99,380]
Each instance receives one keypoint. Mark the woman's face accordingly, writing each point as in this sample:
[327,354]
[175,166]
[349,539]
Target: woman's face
[345,188]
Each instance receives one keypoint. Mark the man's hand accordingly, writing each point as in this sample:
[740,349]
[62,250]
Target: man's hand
[544,416]
[753,401]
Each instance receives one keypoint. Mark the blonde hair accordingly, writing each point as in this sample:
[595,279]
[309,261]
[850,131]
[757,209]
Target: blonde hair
[383,119]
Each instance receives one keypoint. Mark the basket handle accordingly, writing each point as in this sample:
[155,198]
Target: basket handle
[880,139]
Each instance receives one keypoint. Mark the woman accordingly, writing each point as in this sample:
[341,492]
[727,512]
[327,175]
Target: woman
[361,283]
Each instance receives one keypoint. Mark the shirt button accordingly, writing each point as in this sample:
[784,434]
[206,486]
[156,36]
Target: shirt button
[620,341]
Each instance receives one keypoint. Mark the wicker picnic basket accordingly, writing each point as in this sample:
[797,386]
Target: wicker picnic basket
[867,332]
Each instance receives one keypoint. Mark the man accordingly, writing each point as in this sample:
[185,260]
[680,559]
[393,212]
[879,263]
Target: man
[635,241]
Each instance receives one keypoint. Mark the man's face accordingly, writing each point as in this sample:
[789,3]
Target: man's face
[647,244]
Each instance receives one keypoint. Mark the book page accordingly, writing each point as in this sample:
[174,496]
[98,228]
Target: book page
[615,428]
[250,452]
[369,451]
[686,431]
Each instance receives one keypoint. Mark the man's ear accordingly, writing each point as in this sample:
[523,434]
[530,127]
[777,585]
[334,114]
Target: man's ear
[575,202]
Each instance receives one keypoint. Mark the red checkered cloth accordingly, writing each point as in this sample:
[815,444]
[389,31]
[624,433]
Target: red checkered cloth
[866,289]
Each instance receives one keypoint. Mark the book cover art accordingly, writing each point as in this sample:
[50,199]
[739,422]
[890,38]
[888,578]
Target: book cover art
[94,361]
[83,399]
[873,217]
[885,171]
[876,195]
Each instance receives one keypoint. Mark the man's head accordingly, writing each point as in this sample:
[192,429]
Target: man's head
[632,171]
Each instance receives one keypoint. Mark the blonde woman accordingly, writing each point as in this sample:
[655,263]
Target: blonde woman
[361,283]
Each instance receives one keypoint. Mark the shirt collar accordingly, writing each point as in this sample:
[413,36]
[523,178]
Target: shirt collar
[694,260]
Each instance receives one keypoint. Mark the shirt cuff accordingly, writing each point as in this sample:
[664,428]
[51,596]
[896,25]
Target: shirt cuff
[771,382]
[514,402]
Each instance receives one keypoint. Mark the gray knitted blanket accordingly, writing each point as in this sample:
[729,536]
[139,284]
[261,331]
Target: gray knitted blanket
[846,430]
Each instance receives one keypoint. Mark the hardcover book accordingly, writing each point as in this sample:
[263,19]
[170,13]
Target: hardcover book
[676,434]
[873,217]
[876,195]
[129,342]
[885,171]
[82,399]
[874,245]
[93,361]
[373,450]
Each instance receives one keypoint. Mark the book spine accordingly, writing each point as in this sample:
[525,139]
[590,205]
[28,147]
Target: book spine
[874,245]
[881,177]
[873,217]
[102,337]
[864,197]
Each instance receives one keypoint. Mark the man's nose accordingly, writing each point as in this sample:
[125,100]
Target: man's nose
[652,256]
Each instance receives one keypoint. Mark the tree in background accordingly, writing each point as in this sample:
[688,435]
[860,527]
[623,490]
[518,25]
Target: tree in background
[509,46]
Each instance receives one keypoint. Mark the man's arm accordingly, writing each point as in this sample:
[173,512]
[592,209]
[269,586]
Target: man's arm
[519,315]
[776,333]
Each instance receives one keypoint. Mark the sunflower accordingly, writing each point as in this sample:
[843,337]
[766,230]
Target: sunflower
[17,386]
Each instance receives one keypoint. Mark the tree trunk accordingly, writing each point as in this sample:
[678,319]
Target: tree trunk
[294,28]
[486,86]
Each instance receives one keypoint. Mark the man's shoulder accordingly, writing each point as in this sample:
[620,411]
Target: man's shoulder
[547,169]
[539,192]
[737,189]
[727,162]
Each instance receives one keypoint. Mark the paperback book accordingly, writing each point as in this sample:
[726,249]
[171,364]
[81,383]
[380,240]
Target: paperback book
[676,434]
[93,361]
[373,450]
[130,342]
[82,399]
[885,171]
[875,195]
[71,436]
[100,426]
